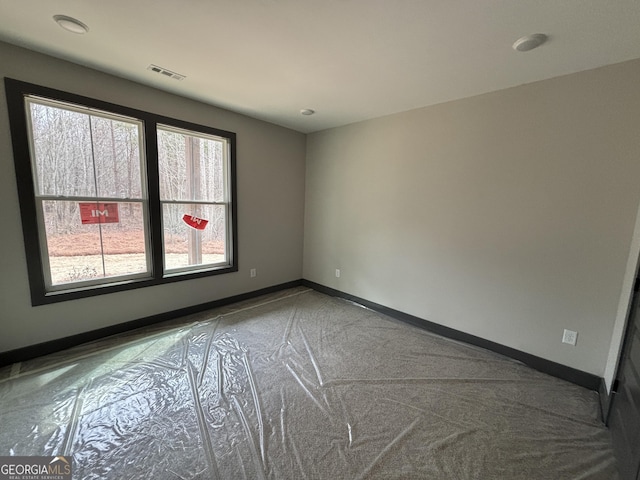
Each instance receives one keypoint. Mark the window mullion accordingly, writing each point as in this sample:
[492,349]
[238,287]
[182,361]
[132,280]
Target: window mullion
[153,189]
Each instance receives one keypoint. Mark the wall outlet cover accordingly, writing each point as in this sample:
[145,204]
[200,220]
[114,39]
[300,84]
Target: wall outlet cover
[570,337]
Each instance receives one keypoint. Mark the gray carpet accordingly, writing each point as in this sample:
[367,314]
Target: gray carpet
[300,385]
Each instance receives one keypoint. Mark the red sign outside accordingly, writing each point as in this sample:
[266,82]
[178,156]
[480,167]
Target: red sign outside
[195,222]
[96,212]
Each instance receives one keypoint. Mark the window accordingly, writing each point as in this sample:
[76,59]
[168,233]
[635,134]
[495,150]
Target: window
[114,198]
[90,199]
[194,192]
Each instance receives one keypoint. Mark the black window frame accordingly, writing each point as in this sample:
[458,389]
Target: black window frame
[16,91]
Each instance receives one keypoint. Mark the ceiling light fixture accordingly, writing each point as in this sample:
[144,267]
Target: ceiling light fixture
[71,24]
[529,42]
[307,111]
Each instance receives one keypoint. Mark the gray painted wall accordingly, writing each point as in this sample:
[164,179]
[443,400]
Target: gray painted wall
[508,215]
[270,209]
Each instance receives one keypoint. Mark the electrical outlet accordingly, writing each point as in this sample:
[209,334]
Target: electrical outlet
[570,337]
[253,272]
[337,273]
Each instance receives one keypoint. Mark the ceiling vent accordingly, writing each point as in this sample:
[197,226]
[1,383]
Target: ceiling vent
[165,72]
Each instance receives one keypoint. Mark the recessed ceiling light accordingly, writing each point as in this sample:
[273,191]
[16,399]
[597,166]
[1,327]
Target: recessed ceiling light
[529,42]
[307,111]
[71,24]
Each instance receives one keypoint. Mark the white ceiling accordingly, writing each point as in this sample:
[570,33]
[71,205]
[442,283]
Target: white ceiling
[349,60]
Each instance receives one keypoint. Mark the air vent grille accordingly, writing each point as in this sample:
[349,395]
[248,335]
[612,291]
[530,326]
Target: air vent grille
[165,72]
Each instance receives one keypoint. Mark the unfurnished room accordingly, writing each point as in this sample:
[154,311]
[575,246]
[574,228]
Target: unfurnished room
[341,239]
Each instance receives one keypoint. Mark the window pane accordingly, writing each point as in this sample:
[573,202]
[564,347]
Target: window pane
[62,151]
[191,166]
[75,152]
[89,241]
[188,241]
[117,158]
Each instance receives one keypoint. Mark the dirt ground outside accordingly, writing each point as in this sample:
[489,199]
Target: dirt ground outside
[77,257]
[68,269]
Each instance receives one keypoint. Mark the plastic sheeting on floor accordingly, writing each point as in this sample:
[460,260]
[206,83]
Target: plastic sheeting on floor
[303,386]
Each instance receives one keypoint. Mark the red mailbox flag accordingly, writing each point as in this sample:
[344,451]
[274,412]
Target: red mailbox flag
[195,222]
